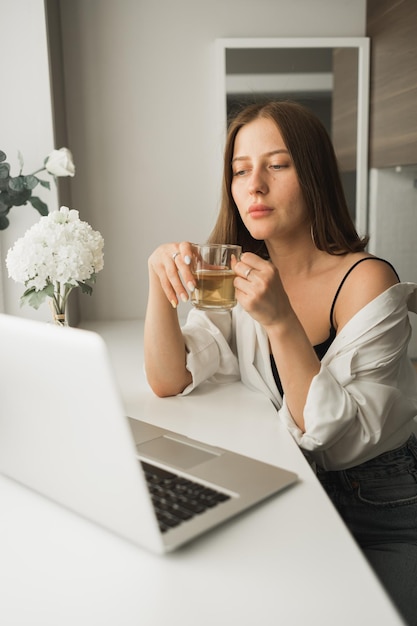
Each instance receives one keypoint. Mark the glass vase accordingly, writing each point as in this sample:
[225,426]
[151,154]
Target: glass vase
[59,316]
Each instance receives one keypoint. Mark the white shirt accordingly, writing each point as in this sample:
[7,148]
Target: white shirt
[363,400]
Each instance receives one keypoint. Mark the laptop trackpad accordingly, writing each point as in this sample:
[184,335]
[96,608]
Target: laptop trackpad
[174,452]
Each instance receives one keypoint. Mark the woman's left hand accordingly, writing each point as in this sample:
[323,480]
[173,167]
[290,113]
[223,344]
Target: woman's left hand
[259,289]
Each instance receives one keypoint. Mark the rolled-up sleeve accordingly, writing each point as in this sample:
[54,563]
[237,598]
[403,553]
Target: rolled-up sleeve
[365,390]
[210,355]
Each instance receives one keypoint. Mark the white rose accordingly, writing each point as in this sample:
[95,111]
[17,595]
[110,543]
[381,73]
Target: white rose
[60,163]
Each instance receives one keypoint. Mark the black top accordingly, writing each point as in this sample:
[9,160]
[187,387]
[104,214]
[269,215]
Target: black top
[321,348]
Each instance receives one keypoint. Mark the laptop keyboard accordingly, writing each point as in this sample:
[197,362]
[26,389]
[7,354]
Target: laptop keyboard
[177,499]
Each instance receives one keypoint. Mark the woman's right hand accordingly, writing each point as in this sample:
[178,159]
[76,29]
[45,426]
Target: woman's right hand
[164,346]
[171,263]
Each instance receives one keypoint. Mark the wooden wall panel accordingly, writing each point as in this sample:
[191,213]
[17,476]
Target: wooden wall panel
[392,27]
[345,106]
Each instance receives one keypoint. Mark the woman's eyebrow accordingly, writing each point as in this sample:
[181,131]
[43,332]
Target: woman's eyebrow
[279,151]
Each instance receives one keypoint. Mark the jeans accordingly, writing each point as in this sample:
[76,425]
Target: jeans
[378,502]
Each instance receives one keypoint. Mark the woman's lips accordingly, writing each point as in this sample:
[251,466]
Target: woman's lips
[259,210]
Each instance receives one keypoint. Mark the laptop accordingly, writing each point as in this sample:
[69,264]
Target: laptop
[65,435]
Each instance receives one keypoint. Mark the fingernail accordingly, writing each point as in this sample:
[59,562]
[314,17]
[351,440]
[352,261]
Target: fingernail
[184,297]
[187,259]
[191,286]
[174,304]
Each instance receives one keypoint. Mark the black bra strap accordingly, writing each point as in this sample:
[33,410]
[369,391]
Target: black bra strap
[367,258]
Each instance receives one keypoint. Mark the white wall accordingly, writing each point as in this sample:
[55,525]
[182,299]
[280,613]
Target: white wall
[393,224]
[25,124]
[141,92]
[140,80]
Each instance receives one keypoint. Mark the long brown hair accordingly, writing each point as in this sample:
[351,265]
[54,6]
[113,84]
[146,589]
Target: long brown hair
[312,153]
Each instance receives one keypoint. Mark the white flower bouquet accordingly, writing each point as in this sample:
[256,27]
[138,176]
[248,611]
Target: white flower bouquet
[57,254]
[17,190]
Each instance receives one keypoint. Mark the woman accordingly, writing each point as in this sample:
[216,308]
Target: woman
[321,327]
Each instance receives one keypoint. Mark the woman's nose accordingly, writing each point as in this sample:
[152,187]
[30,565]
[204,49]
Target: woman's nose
[257,182]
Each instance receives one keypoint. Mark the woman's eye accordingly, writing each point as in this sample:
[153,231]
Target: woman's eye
[277,167]
[240,173]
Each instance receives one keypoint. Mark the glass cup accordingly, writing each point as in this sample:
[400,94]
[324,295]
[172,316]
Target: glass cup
[211,265]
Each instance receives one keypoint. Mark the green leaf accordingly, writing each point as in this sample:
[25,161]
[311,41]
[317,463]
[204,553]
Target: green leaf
[17,198]
[30,181]
[85,288]
[40,206]
[45,183]
[4,170]
[4,207]
[35,298]
[4,222]
[17,183]
[3,156]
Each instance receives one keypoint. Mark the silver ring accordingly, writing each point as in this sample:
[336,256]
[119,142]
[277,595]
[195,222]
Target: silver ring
[248,271]
[173,256]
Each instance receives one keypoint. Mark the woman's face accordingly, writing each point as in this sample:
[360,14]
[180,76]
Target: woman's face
[265,185]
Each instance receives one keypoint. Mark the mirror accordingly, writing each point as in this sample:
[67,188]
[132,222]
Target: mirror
[330,76]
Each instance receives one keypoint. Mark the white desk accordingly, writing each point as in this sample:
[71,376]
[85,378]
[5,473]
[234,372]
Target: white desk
[288,562]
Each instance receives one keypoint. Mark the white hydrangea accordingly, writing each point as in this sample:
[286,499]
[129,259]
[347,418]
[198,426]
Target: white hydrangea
[59,248]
